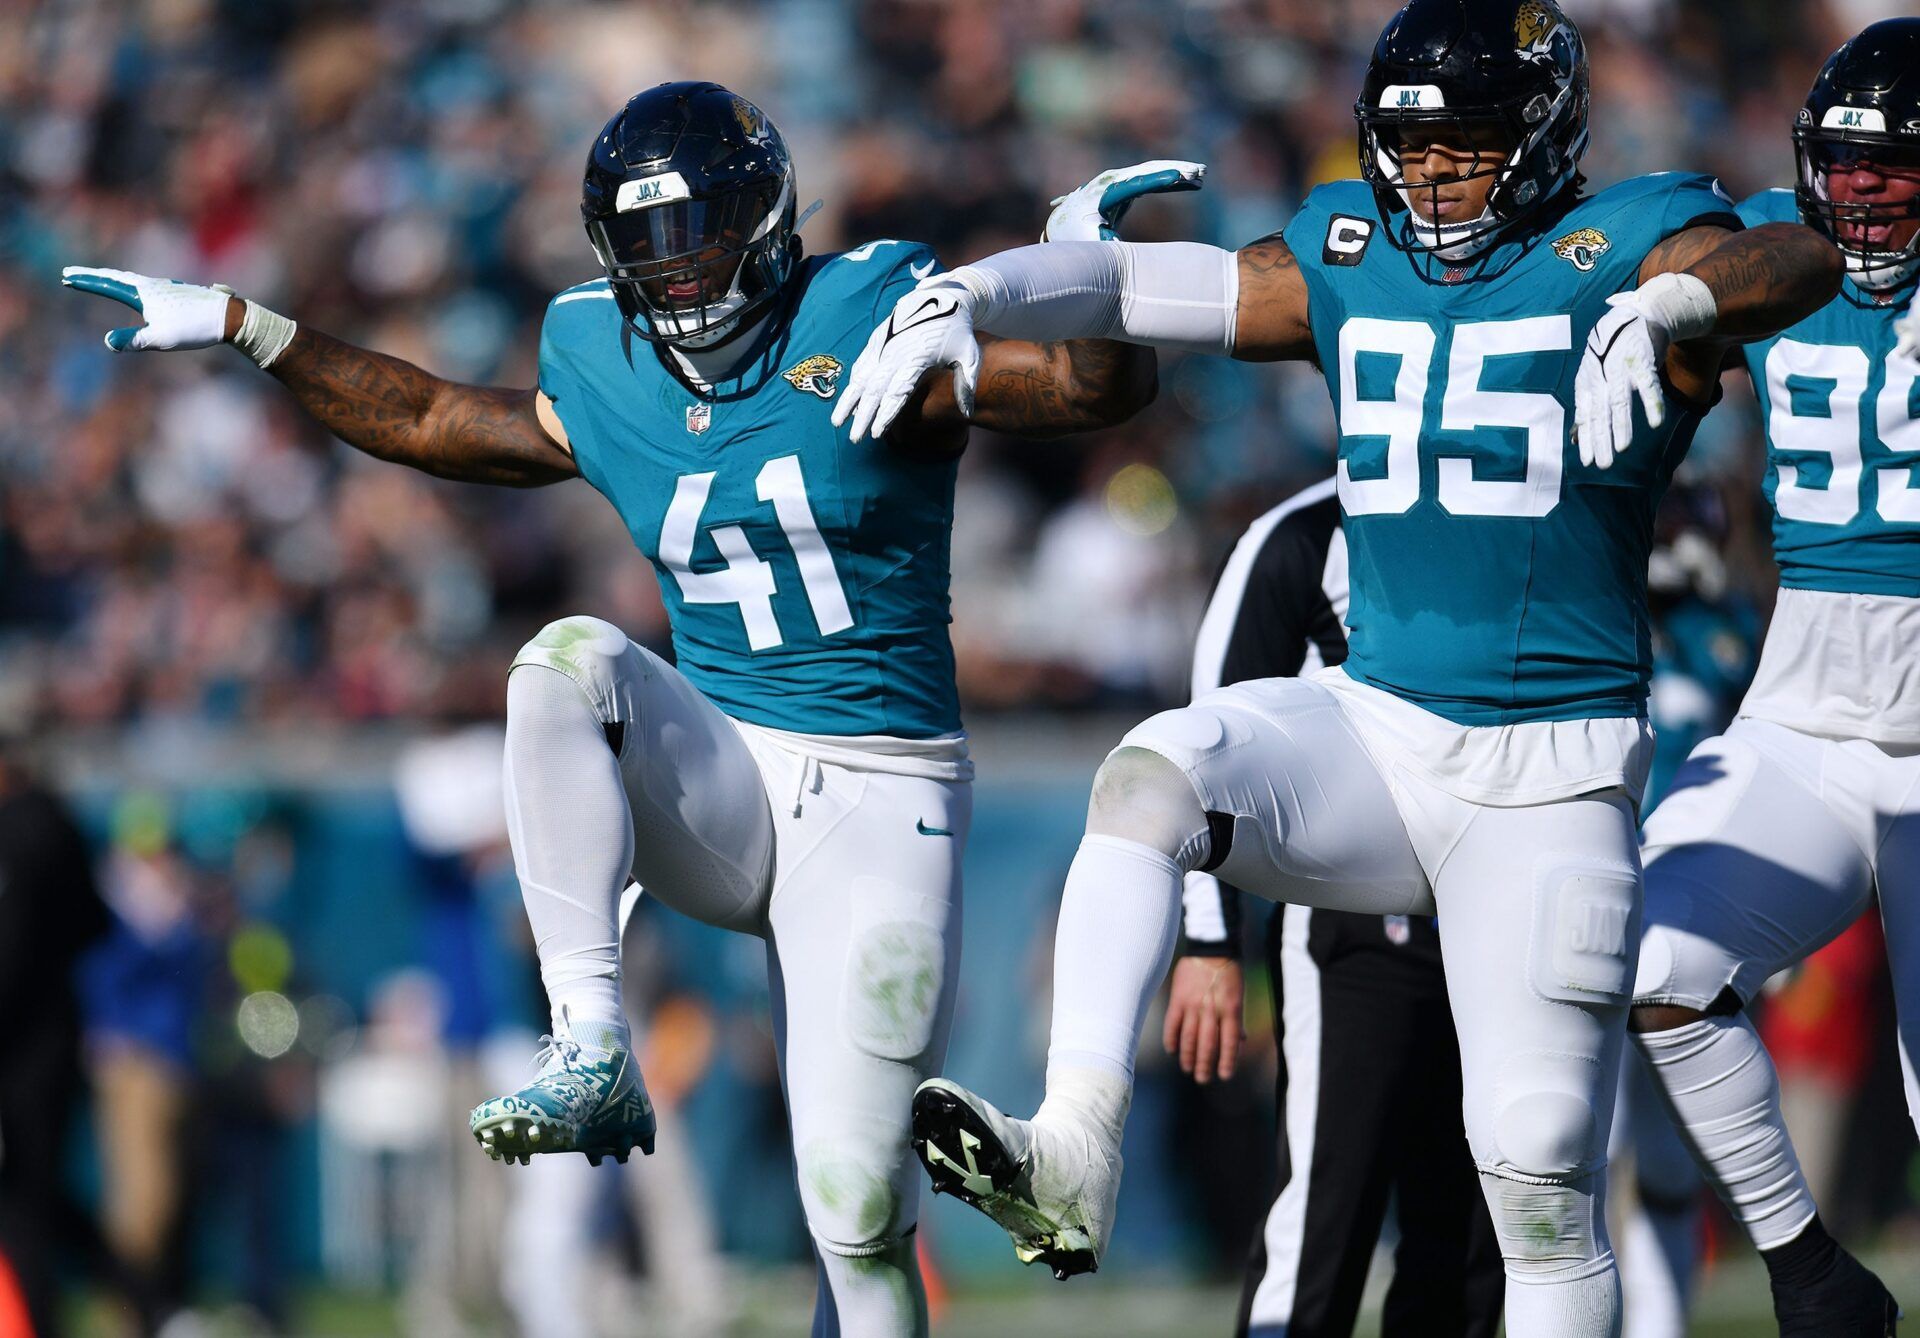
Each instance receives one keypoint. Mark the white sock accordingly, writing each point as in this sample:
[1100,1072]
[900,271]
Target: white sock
[874,1294]
[1587,1307]
[1119,920]
[1725,1099]
[572,836]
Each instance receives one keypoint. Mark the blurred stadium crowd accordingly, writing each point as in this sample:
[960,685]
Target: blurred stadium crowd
[180,551]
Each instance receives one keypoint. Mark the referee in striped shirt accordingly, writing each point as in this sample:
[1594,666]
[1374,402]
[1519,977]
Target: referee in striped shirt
[1369,1074]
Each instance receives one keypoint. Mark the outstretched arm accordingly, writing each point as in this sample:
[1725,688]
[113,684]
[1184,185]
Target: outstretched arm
[1028,389]
[1179,295]
[391,409]
[1702,291]
[1761,280]
[383,405]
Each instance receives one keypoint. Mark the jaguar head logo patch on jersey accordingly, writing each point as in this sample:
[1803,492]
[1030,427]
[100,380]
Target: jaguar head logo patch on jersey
[1582,248]
[818,375]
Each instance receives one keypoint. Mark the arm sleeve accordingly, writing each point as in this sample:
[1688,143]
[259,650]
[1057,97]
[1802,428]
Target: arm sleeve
[1178,295]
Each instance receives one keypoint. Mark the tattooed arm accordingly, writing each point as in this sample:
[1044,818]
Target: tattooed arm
[1034,390]
[1270,319]
[391,409]
[1762,280]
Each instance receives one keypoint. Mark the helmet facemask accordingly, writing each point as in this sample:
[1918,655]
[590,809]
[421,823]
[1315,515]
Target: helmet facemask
[1880,239]
[1512,145]
[687,271]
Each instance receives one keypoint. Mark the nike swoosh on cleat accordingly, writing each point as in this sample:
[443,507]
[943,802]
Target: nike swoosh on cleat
[920,825]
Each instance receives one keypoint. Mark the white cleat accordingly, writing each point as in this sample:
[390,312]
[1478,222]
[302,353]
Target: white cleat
[1049,1185]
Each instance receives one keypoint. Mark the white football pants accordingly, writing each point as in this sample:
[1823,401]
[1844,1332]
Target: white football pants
[1539,914]
[1770,843]
[853,879]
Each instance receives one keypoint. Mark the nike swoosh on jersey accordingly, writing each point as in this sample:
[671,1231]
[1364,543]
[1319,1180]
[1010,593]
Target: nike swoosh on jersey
[920,825]
[921,271]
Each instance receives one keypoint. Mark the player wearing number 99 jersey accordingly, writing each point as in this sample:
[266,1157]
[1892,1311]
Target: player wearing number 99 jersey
[1779,832]
[801,775]
[1483,749]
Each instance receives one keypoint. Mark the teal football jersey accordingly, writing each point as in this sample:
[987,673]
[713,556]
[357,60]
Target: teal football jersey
[805,576]
[1842,438]
[1495,579]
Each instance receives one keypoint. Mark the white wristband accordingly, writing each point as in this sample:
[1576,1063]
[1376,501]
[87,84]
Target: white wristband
[1681,303]
[263,335]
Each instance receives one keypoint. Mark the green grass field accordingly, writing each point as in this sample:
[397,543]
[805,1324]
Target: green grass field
[1732,1304]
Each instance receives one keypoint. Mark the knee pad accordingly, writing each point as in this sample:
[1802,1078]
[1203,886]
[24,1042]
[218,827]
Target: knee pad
[599,659]
[1549,1230]
[892,999]
[1546,1135]
[1140,795]
[854,1205]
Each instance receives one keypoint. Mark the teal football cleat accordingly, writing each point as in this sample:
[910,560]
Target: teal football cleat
[586,1098]
[1050,1186]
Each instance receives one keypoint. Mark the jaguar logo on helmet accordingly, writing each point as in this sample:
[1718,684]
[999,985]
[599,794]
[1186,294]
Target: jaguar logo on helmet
[1582,248]
[1534,24]
[818,375]
[749,117]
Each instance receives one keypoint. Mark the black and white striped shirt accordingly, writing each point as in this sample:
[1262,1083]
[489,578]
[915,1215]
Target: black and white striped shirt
[1279,609]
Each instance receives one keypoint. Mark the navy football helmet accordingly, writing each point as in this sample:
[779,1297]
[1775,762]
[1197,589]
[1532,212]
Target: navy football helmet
[689,203]
[1865,107]
[1510,75]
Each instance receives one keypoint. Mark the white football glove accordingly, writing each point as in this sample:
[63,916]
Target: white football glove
[930,326]
[1906,332]
[1626,350]
[179,315]
[1093,212]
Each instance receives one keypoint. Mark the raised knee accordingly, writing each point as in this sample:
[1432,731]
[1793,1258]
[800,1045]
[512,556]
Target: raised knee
[1142,796]
[579,646]
[854,1205]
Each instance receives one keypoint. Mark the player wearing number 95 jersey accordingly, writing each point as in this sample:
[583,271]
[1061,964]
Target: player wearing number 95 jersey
[1482,751]
[802,775]
[1777,834]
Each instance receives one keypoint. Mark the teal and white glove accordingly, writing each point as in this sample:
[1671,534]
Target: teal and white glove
[1906,332]
[1093,212]
[181,315]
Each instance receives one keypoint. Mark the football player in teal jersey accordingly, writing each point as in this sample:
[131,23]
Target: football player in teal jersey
[801,775]
[1780,830]
[1481,753]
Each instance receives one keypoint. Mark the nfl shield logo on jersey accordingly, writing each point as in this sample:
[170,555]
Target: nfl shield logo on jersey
[699,418]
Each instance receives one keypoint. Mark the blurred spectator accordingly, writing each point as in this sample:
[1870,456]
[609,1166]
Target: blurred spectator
[49,913]
[145,988]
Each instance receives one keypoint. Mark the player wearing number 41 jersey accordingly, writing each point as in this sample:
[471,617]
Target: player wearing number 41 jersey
[1481,752]
[801,775]
[1778,833]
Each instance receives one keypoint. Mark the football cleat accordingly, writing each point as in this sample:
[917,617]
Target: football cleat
[1850,1302]
[585,1099]
[1048,1185]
